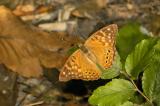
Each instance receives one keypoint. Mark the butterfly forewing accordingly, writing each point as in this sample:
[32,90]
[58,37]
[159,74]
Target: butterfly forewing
[78,66]
[102,44]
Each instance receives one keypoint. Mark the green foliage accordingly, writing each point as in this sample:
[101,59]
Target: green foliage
[113,93]
[138,54]
[138,59]
[156,56]
[151,83]
[72,50]
[137,99]
[129,36]
[151,78]
[128,103]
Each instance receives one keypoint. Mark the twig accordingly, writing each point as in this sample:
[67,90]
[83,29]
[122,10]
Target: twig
[36,103]
[141,93]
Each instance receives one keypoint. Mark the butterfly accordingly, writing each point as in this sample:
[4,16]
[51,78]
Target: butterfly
[99,48]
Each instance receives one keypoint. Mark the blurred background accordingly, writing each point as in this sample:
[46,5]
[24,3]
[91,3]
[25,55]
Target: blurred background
[68,22]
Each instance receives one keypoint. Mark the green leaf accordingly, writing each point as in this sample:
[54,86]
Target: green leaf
[156,56]
[145,104]
[151,78]
[128,103]
[113,93]
[140,57]
[72,50]
[151,83]
[129,36]
[114,70]
[137,99]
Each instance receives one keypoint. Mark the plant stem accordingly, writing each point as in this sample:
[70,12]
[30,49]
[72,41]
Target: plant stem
[141,93]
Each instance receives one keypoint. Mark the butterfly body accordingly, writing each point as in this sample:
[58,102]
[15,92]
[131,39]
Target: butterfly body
[99,49]
[89,54]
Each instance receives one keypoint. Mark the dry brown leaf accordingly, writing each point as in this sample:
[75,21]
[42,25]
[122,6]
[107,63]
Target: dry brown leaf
[24,49]
[28,9]
[89,8]
[15,54]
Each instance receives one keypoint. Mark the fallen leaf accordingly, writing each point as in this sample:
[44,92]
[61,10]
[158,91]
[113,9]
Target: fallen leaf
[29,9]
[89,8]
[24,48]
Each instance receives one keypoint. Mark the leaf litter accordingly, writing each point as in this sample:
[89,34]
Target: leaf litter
[36,36]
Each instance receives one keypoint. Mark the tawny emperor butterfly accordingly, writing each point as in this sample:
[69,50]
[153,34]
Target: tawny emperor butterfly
[98,48]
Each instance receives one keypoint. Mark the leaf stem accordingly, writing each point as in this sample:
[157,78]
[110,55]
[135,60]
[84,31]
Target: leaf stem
[140,92]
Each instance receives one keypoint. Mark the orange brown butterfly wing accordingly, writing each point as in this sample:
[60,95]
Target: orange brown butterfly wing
[102,44]
[78,66]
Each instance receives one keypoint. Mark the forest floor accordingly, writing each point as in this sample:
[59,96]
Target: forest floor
[69,22]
